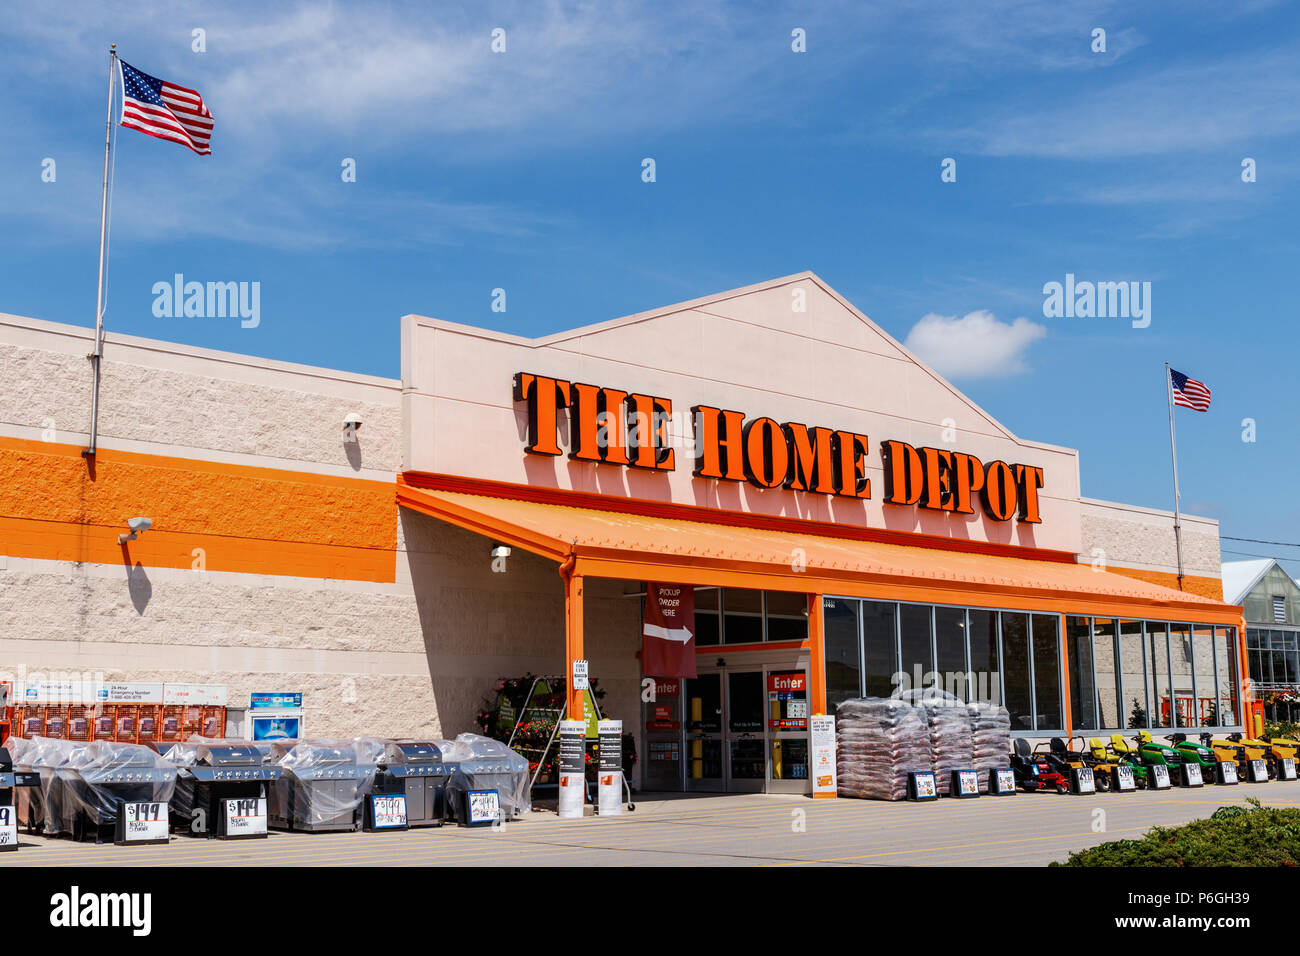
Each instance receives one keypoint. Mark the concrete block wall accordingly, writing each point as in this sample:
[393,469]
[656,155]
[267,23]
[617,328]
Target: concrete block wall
[1141,541]
[415,653]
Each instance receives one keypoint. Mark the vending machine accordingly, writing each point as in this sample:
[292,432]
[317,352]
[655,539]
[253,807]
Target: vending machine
[275,716]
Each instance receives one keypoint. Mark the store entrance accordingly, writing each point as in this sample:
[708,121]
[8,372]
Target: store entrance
[732,729]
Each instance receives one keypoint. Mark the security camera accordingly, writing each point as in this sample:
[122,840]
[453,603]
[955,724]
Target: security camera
[352,422]
[138,527]
[500,551]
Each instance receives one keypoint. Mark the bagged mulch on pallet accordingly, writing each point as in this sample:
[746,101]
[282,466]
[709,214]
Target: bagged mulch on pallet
[879,741]
[990,738]
[949,725]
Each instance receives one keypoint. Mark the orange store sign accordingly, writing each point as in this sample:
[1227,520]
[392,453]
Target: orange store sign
[611,426]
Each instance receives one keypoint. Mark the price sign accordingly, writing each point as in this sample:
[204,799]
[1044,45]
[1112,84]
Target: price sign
[389,811]
[1004,781]
[1192,775]
[484,806]
[923,785]
[1286,768]
[1159,776]
[245,816]
[1124,778]
[1227,772]
[8,829]
[1258,772]
[144,823]
[968,783]
[1084,781]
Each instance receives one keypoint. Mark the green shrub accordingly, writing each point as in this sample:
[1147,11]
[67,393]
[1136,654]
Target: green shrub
[1232,836]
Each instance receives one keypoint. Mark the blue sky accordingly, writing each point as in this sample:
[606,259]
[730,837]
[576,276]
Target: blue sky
[522,171]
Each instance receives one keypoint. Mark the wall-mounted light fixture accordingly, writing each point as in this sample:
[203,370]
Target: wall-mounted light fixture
[138,527]
[351,425]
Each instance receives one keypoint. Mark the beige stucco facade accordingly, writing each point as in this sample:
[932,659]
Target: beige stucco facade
[415,644]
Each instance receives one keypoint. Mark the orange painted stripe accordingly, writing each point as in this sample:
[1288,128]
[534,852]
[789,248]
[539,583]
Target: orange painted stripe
[56,505]
[1205,587]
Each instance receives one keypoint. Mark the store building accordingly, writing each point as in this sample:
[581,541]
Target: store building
[844,514]
[1271,599]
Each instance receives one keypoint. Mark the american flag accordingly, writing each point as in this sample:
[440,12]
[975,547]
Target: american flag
[1190,393]
[165,110]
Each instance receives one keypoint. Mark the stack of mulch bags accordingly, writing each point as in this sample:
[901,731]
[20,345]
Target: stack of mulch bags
[949,725]
[879,742]
[991,737]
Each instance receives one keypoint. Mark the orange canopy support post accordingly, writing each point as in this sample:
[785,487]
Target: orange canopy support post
[572,633]
[816,654]
[1245,689]
[1067,712]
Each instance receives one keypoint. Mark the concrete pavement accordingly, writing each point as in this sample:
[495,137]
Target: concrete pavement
[723,830]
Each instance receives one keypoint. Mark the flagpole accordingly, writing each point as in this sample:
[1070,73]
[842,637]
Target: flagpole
[1173,453]
[97,356]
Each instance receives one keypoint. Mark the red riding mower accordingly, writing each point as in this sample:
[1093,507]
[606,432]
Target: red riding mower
[1034,771]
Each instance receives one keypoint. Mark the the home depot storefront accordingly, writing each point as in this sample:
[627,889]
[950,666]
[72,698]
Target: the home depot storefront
[840,513]
[847,522]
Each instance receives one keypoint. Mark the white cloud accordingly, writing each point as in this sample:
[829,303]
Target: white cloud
[976,345]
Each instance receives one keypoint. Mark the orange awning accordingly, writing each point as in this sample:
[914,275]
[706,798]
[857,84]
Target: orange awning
[611,544]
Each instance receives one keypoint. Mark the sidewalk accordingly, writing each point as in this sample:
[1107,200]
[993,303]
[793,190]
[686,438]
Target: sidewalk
[721,830]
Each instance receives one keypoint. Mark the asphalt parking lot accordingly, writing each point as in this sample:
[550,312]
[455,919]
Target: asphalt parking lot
[730,830]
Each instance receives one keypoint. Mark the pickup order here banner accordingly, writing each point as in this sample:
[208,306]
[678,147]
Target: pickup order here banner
[668,631]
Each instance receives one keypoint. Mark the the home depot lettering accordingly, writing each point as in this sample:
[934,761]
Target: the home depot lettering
[616,427]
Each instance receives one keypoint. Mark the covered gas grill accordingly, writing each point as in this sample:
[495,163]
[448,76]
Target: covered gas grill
[47,807]
[321,785]
[17,781]
[221,788]
[485,764]
[111,787]
[416,768]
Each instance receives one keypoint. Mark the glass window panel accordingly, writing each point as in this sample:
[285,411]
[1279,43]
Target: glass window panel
[950,644]
[787,616]
[985,682]
[1133,675]
[704,704]
[1157,644]
[1292,641]
[1083,692]
[1277,651]
[917,662]
[1047,671]
[707,627]
[1180,677]
[1258,666]
[1226,653]
[880,647]
[742,616]
[843,667]
[1015,670]
[1109,709]
[1203,659]
[745,702]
